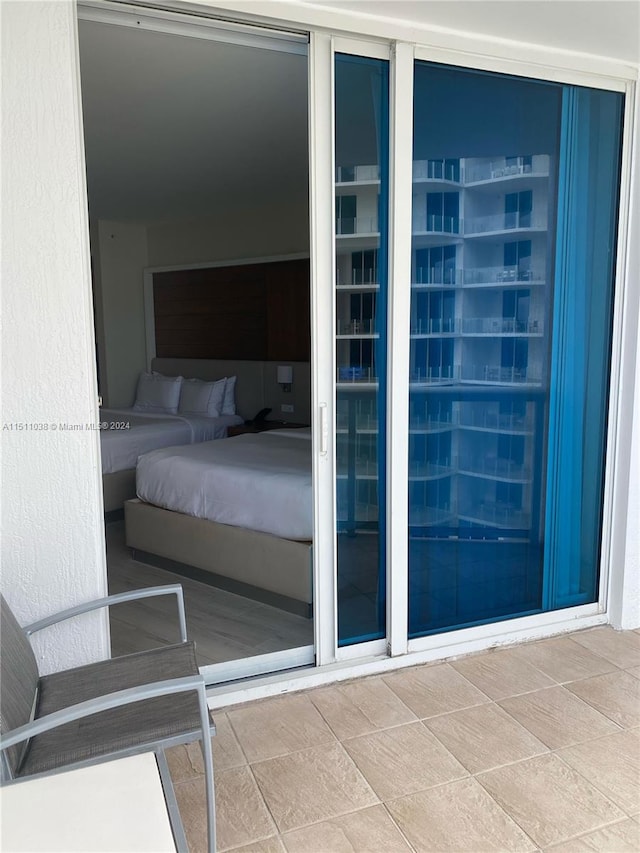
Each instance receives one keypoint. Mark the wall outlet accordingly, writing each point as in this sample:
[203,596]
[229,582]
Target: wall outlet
[286,407]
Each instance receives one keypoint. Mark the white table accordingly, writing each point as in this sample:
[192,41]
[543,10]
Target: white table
[115,806]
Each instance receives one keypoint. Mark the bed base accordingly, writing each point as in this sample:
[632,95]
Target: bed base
[257,565]
[116,489]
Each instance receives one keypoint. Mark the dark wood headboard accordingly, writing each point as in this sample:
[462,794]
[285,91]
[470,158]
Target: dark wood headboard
[256,312]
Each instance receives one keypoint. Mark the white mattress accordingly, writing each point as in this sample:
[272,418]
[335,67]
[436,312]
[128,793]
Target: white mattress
[261,481]
[121,447]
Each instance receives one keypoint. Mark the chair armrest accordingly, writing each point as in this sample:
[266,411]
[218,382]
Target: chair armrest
[112,700]
[119,598]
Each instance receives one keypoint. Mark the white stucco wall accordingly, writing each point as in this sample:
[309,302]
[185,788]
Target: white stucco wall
[52,532]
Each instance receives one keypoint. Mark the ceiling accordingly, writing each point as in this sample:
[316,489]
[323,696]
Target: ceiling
[179,127]
[602,27]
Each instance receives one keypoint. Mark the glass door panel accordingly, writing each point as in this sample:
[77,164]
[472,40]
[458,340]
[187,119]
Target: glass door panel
[361,194]
[510,339]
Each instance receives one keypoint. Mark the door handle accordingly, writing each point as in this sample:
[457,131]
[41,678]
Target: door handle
[324,429]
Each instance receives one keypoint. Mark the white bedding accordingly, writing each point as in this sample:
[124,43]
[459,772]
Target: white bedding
[122,446]
[261,481]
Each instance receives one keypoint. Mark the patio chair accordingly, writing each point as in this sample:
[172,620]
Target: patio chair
[141,702]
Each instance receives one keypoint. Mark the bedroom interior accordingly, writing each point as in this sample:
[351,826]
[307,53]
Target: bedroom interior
[196,191]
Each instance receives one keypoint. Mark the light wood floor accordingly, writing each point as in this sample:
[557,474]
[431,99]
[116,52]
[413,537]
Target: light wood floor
[224,626]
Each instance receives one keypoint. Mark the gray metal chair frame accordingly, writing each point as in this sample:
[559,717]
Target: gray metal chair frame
[28,733]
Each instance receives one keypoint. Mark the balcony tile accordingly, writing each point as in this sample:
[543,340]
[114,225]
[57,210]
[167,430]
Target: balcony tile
[502,673]
[550,801]
[563,659]
[612,764]
[312,785]
[433,690]
[458,816]
[616,695]
[403,760]
[622,837]
[484,737]
[366,830]
[557,718]
[361,707]
[279,726]
[618,647]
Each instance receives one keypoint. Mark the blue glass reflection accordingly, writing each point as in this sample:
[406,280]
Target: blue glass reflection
[512,179]
[361,203]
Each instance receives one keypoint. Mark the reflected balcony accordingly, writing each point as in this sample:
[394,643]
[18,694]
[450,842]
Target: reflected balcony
[348,225]
[357,174]
[499,326]
[494,467]
[495,421]
[436,170]
[442,277]
[495,374]
[504,222]
[500,275]
[437,224]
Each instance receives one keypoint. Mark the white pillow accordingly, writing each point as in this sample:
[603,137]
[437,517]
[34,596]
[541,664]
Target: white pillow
[229,403]
[202,398]
[157,393]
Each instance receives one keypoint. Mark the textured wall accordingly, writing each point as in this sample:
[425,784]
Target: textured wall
[52,531]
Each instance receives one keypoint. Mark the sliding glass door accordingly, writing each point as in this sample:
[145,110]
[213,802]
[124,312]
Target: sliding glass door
[513,208]
[513,230]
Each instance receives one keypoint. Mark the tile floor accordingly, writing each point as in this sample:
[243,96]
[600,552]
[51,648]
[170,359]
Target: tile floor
[535,747]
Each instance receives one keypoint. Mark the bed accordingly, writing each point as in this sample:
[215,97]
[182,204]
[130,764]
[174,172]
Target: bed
[255,387]
[236,513]
[167,410]
[125,434]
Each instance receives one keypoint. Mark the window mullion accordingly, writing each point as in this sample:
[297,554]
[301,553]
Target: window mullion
[322,318]
[401,156]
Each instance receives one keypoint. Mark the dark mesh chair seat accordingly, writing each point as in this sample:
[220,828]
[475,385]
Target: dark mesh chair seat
[118,729]
[44,730]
